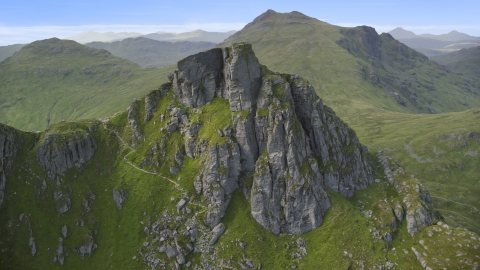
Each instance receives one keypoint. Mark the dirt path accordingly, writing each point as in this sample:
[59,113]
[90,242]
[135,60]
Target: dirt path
[176,185]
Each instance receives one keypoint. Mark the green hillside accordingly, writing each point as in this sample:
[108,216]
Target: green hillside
[353,68]
[466,62]
[53,79]
[152,53]
[441,150]
[357,73]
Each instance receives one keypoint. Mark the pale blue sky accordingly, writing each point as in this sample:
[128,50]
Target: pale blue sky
[25,21]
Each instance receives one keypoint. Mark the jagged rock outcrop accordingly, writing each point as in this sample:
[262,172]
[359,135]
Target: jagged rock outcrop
[59,256]
[216,233]
[418,203]
[62,200]
[132,114]
[219,178]
[283,137]
[152,99]
[86,249]
[58,153]
[287,193]
[8,151]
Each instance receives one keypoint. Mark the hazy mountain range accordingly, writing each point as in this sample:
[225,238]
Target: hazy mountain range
[434,45]
[152,53]
[197,35]
[142,51]
[91,36]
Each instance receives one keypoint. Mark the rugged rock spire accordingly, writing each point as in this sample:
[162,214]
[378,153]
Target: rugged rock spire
[284,139]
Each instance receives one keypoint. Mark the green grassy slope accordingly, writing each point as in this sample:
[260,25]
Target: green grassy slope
[466,61]
[152,53]
[440,149]
[53,79]
[7,51]
[293,42]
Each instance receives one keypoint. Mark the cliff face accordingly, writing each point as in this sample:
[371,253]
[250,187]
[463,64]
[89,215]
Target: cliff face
[58,153]
[8,150]
[286,143]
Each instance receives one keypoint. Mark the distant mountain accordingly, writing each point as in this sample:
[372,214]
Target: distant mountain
[152,53]
[400,33]
[7,51]
[435,45]
[451,36]
[465,61]
[398,78]
[197,35]
[92,36]
[53,79]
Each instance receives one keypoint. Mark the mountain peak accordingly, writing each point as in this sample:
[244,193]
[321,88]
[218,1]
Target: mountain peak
[400,33]
[266,15]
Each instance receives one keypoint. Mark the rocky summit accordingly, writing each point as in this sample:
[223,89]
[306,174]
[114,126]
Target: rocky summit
[211,170]
[282,136]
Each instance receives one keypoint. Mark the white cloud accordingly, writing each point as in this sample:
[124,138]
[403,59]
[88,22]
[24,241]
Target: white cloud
[25,34]
[473,30]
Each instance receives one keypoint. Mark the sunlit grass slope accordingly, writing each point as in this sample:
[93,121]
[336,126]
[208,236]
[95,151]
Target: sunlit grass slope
[53,79]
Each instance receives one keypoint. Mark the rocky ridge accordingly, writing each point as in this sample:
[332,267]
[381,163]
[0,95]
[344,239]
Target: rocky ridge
[418,210]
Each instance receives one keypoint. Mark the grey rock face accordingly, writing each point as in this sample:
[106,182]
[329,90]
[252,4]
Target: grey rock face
[216,233]
[60,256]
[58,153]
[199,77]
[181,204]
[64,231]
[86,249]
[287,193]
[62,200]
[119,196]
[132,113]
[418,207]
[331,140]
[218,180]
[8,151]
[418,218]
[171,252]
[282,134]
[31,243]
[152,99]
[399,212]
